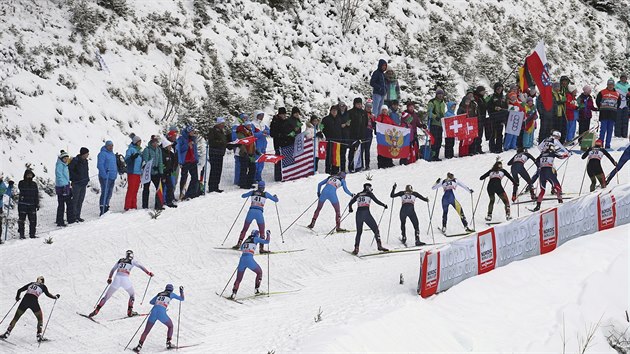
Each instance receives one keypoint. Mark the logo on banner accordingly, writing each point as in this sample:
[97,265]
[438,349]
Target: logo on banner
[544,76]
[548,231]
[430,274]
[146,172]
[394,139]
[606,211]
[298,145]
[486,251]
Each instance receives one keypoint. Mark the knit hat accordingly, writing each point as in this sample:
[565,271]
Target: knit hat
[109,143]
[295,110]
[384,107]
[369,102]
[172,134]
[135,139]
[83,151]
[282,110]
[63,154]
[342,104]
[586,88]
[623,75]
[480,89]
[511,95]
[165,143]
[530,99]
[220,120]
[439,92]
[610,81]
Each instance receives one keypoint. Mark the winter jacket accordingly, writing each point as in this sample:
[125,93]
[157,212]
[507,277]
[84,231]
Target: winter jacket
[560,100]
[79,171]
[218,139]
[243,131]
[385,119]
[168,160]
[622,88]
[261,133]
[133,159]
[436,109]
[497,108]
[106,164]
[331,127]
[586,106]
[392,88]
[542,112]
[608,101]
[377,81]
[279,131]
[62,174]
[358,122]
[4,190]
[182,146]
[572,107]
[29,193]
[481,106]
[413,121]
[150,153]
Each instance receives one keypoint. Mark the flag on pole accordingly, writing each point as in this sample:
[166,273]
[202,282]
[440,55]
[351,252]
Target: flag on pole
[471,129]
[294,167]
[321,150]
[269,158]
[358,162]
[524,78]
[244,141]
[335,154]
[454,127]
[392,141]
[160,193]
[539,70]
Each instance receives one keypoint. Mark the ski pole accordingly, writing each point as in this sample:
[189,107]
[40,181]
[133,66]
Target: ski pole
[239,213]
[377,225]
[46,326]
[565,170]
[8,312]
[137,330]
[479,197]
[228,282]
[389,226]
[432,210]
[179,315]
[430,221]
[268,274]
[473,209]
[582,184]
[100,297]
[342,219]
[304,212]
[279,224]
[145,290]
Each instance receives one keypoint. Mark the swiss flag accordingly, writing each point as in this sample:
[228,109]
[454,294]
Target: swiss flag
[321,150]
[539,72]
[244,141]
[269,158]
[454,127]
[470,128]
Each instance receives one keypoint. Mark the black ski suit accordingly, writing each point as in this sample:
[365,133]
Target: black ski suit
[33,291]
[594,165]
[495,187]
[363,200]
[518,168]
[407,211]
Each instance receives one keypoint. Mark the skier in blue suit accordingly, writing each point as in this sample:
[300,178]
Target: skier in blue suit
[622,161]
[331,184]
[259,197]
[248,248]
[158,313]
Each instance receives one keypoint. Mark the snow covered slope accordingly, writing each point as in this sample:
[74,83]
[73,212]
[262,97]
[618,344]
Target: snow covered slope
[518,308]
[75,73]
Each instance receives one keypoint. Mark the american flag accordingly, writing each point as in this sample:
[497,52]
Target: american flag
[298,166]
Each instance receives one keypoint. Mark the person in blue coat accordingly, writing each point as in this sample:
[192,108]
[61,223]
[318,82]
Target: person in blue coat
[261,132]
[107,173]
[377,81]
[63,190]
[160,304]
[248,249]
[331,184]
[8,191]
[187,157]
[259,197]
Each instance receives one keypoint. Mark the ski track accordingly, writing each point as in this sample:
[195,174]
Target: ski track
[364,308]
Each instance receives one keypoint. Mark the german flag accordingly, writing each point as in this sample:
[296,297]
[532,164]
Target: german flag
[335,154]
[524,79]
[160,193]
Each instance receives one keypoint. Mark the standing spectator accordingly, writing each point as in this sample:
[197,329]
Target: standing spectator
[436,108]
[449,143]
[170,161]
[8,191]
[547,118]
[469,107]
[79,178]
[133,158]
[608,101]
[171,136]
[384,117]
[572,111]
[497,111]
[392,89]
[188,157]
[531,115]
[369,133]
[345,135]
[261,133]
[414,122]
[295,125]
[63,190]
[217,142]
[586,106]
[379,86]
[482,122]
[331,127]
[621,126]
[560,113]
[246,153]
[513,105]
[153,153]
[358,123]
[279,131]
[28,204]
[107,173]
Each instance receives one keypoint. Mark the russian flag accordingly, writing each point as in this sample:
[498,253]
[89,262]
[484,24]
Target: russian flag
[393,141]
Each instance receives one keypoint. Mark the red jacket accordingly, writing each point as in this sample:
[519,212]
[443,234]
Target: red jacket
[572,107]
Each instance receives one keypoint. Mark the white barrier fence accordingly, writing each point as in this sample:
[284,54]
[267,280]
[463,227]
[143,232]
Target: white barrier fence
[526,237]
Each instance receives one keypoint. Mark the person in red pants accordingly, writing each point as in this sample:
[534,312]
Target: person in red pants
[133,159]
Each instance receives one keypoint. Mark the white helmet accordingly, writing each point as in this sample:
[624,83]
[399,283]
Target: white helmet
[556,134]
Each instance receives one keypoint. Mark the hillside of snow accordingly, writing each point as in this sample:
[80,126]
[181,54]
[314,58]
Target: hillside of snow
[523,307]
[78,72]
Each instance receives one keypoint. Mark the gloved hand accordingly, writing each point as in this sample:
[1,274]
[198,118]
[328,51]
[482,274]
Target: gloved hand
[275,196]
[350,210]
[57,296]
[385,206]
[438,181]
[426,200]
[37,208]
[318,194]
[513,197]
[17,298]
[472,191]
[134,155]
[394,186]
[181,289]
[150,274]
[109,280]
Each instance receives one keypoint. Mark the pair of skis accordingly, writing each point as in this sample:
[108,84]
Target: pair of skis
[115,319]
[259,295]
[272,252]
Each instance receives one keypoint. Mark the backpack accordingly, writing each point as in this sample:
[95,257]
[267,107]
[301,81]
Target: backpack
[121,165]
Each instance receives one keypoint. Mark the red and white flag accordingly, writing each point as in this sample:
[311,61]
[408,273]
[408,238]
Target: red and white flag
[321,150]
[539,72]
[269,158]
[454,127]
[471,128]
[244,141]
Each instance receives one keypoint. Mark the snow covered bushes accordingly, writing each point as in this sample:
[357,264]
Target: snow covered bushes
[85,18]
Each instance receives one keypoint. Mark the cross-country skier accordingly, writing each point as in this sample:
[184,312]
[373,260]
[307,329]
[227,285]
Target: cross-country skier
[331,184]
[554,139]
[158,313]
[496,174]
[122,268]
[408,198]
[518,168]
[30,301]
[546,173]
[622,161]
[594,164]
[259,197]
[248,248]
[449,185]
[363,215]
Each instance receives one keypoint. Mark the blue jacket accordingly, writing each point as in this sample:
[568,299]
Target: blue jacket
[155,154]
[182,146]
[106,164]
[62,174]
[378,79]
[5,190]
[261,139]
[134,166]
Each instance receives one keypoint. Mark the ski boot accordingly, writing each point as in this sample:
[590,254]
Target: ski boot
[257,292]
[468,229]
[131,312]
[40,338]
[312,224]
[508,217]
[442,229]
[339,229]
[356,250]
[488,217]
[233,296]
[419,243]
[262,250]
[237,245]
[513,197]
[95,312]
[169,345]
[537,207]
[403,239]
[379,245]
[137,348]
[6,334]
